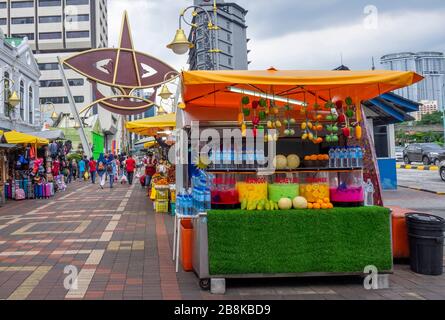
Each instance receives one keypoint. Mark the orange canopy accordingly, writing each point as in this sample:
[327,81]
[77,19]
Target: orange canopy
[209,88]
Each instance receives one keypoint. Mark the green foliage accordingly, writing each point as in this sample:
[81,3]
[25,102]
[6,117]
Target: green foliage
[433,118]
[75,156]
[297,241]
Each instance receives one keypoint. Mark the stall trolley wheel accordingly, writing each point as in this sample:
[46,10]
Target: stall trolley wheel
[204,284]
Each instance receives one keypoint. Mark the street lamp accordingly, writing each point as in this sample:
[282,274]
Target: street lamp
[54,115]
[180,44]
[14,99]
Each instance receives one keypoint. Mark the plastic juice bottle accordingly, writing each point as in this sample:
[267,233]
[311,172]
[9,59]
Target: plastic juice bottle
[331,158]
[369,193]
[337,158]
[360,157]
[348,157]
[208,199]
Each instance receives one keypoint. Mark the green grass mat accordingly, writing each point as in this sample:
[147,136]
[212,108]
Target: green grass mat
[337,240]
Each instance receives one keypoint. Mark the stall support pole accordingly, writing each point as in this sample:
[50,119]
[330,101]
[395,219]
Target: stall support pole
[72,103]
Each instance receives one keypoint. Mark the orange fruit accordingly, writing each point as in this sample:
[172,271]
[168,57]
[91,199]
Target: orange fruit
[326,200]
[324,206]
[317,206]
[320,202]
[310,206]
[330,206]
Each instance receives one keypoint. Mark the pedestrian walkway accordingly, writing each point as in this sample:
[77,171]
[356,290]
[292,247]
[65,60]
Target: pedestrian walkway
[120,249]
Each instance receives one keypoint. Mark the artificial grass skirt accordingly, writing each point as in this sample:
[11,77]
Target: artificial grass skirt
[296,241]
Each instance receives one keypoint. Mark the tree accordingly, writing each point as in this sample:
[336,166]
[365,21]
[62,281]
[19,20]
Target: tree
[432,118]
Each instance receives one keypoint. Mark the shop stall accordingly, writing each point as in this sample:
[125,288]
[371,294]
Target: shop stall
[27,172]
[305,198]
[163,183]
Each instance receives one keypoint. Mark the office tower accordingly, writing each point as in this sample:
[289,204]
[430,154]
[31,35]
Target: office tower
[231,38]
[431,65]
[58,28]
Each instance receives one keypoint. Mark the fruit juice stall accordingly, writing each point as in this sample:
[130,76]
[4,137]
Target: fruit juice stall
[301,212]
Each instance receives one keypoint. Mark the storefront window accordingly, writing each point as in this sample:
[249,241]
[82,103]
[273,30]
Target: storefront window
[6,94]
[381,141]
[22,98]
[31,105]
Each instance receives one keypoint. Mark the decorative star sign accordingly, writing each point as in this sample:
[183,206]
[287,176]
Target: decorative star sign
[125,70]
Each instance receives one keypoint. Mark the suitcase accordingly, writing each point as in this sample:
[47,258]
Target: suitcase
[12,190]
[20,194]
[30,192]
[47,190]
[38,191]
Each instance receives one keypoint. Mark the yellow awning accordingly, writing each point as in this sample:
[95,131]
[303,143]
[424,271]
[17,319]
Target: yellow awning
[15,137]
[150,144]
[150,126]
[209,88]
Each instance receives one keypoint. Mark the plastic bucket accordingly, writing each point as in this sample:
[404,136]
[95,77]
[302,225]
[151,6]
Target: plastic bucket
[426,240]
[400,241]
[186,254]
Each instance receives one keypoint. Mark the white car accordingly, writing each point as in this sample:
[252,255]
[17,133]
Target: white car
[399,153]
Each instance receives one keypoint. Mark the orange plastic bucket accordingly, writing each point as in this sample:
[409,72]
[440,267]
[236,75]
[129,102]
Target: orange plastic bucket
[186,255]
[400,241]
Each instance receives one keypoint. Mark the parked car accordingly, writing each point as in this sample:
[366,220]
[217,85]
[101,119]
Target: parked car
[399,153]
[427,153]
[442,167]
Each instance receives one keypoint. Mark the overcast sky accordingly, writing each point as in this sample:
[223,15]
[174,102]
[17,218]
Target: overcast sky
[300,34]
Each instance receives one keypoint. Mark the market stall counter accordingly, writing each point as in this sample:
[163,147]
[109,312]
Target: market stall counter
[291,243]
[318,210]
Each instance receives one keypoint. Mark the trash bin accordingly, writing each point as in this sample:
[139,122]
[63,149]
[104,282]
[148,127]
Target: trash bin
[426,240]
[186,252]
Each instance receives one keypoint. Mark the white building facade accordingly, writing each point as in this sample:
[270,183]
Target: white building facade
[19,72]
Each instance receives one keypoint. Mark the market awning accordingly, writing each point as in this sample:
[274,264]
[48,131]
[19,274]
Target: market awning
[7,146]
[150,126]
[15,137]
[49,134]
[150,144]
[210,88]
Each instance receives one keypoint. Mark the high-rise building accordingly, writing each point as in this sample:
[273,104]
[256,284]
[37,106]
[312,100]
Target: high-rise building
[426,107]
[58,28]
[431,65]
[231,38]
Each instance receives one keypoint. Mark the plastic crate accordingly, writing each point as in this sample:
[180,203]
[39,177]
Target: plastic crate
[161,194]
[161,206]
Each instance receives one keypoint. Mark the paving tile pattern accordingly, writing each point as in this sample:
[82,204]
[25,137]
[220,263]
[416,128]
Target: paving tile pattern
[88,243]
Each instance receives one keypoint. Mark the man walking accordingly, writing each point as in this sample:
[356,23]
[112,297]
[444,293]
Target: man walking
[92,165]
[130,166]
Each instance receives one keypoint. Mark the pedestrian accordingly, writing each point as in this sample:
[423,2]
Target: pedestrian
[93,170]
[82,169]
[101,170]
[130,166]
[56,167]
[74,170]
[150,169]
[121,164]
[111,169]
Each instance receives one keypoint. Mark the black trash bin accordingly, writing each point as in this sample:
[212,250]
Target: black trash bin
[426,240]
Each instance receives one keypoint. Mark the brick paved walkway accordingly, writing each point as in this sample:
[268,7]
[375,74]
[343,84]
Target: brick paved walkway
[122,250]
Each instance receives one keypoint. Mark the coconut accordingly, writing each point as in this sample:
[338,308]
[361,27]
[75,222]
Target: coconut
[293,161]
[281,162]
[285,204]
[299,203]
